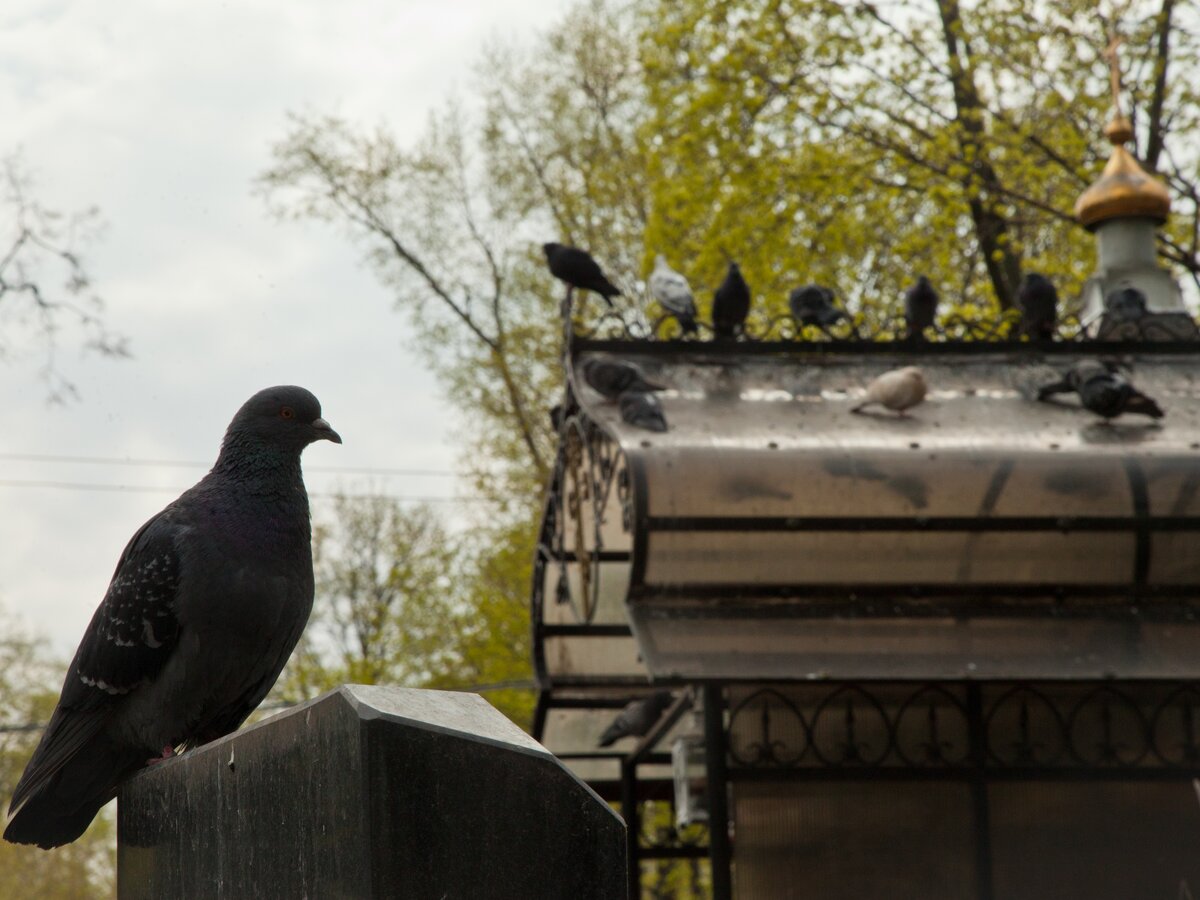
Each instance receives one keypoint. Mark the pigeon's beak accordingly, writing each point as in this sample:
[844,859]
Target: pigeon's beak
[325,432]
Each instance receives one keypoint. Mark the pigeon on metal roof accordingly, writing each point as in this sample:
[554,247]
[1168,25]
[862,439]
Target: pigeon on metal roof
[1126,304]
[1102,390]
[673,294]
[577,268]
[1038,301]
[207,601]
[731,304]
[813,304]
[920,307]
[898,390]
[642,410]
[637,718]
[613,377]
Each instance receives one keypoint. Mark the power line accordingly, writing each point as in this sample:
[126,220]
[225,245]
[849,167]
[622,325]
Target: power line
[195,464]
[516,684]
[151,489]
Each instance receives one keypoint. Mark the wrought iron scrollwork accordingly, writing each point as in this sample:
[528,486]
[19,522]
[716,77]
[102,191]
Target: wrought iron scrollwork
[1048,727]
[989,326]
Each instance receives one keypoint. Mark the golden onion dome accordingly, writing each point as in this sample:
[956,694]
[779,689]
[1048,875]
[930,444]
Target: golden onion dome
[1124,190]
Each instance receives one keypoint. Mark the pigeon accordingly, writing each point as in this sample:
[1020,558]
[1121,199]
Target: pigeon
[1102,390]
[642,410]
[637,718]
[731,304]
[1126,304]
[813,305]
[576,268]
[920,308]
[613,377]
[206,604]
[673,294]
[1038,301]
[898,390]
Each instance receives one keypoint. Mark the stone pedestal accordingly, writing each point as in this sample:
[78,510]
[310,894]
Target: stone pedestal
[370,792]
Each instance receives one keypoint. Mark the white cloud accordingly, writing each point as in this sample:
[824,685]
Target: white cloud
[162,113]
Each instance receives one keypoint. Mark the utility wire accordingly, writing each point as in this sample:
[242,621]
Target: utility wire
[195,464]
[522,684]
[151,489]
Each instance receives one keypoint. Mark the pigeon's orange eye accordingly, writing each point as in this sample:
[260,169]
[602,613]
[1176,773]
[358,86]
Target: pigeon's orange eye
[287,413]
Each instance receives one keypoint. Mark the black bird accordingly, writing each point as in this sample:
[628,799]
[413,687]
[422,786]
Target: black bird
[207,602]
[1038,300]
[1126,304]
[813,305]
[637,718]
[1102,390]
[920,308]
[613,377]
[642,410]
[731,304]
[577,268]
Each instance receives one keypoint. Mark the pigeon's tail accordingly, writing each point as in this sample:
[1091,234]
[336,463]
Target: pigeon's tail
[1140,403]
[610,736]
[61,809]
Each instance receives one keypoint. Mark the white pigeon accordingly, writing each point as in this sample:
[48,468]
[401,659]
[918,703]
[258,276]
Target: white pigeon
[899,390]
[673,294]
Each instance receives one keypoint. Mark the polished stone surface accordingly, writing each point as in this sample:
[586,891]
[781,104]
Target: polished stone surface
[369,792]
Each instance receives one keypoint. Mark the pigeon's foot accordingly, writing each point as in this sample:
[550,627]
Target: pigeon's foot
[167,752]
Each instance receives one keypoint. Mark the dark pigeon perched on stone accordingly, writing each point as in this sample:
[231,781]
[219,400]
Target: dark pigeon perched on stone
[1102,390]
[731,304]
[208,599]
[642,410]
[1038,301]
[637,718]
[812,304]
[1126,304]
[577,268]
[920,307]
[613,377]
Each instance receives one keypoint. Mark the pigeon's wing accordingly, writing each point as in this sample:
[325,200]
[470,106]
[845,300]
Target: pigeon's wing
[1062,386]
[618,728]
[132,634]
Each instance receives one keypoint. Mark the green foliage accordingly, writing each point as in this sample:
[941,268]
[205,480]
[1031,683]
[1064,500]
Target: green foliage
[401,601]
[856,144]
[85,868]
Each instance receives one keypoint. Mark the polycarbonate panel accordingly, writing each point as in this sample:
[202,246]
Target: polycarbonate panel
[593,656]
[613,583]
[795,558]
[1102,841]
[1175,559]
[741,481]
[847,841]
[575,730]
[969,647]
[1173,485]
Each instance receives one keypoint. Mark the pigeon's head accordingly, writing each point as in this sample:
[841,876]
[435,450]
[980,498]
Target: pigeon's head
[1126,304]
[287,417]
[550,249]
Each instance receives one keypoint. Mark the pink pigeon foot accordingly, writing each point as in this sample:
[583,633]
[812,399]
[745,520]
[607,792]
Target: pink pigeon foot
[167,752]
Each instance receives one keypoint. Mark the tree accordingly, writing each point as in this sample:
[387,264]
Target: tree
[37,246]
[28,691]
[455,225]
[401,601]
[873,141]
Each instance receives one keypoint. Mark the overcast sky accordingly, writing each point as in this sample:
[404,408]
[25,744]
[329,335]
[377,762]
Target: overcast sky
[162,113]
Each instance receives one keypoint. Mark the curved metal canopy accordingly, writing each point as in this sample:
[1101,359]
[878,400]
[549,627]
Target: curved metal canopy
[770,533]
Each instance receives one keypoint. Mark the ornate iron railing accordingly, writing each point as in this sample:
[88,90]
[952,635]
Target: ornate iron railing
[1017,727]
